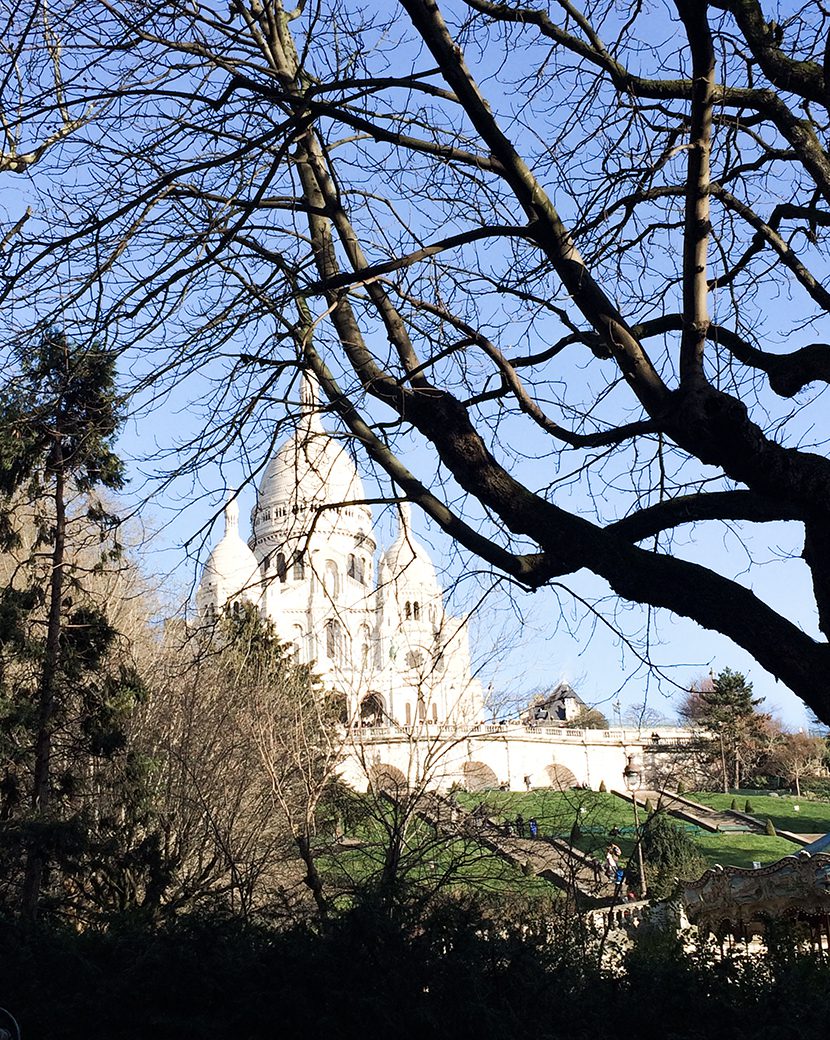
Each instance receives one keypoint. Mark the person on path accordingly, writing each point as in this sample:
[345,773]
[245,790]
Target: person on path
[520,825]
[533,826]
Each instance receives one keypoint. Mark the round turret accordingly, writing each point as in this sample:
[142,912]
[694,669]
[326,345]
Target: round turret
[231,572]
[406,562]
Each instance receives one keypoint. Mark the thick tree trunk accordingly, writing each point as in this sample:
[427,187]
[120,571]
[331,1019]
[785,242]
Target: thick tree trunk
[36,859]
[312,878]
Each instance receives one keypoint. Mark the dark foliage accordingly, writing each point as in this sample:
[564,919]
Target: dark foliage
[455,974]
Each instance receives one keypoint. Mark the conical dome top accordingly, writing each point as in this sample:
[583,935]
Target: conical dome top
[406,560]
[231,570]
[310,403]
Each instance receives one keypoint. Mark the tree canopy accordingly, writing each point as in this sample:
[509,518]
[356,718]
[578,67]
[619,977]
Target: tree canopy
[577,253]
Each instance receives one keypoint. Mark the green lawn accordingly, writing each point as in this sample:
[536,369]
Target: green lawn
[741,850]
[464,865]
[428,860]
[557,811]
[809,818]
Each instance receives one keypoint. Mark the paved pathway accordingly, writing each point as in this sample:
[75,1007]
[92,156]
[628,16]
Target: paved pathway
[692,812]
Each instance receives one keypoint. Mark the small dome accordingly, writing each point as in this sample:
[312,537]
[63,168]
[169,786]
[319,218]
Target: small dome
[231,569]
[406,560]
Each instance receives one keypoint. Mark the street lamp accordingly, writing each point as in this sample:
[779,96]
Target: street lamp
[632,774]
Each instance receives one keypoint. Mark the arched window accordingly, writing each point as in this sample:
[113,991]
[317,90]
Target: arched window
[351,569]
[282,569]
[372,711]
[334,640]
[299,568]
[434,712]
[408,713]
[332,579]
[416,610]
[407,613]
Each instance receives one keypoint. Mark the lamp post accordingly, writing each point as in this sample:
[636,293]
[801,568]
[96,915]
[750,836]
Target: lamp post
[632,775]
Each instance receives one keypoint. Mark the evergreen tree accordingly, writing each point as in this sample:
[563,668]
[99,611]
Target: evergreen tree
[669,853]
[58,419]
[729,713]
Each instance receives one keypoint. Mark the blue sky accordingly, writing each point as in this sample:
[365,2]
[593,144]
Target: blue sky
[524,641]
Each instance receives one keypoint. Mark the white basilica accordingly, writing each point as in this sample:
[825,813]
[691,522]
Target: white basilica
[378,635]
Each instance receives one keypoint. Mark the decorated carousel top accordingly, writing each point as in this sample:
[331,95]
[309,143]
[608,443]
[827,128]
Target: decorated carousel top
[737,896]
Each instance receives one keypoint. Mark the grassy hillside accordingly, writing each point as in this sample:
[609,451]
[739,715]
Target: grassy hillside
[786,811]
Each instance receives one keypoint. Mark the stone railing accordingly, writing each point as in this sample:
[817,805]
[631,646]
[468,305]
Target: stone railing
[667,736]
[620,915]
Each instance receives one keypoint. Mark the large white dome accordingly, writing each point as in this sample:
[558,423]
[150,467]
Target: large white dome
[310,468]
[231,571]
[308,471]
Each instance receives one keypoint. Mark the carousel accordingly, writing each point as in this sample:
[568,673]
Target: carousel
[743,903]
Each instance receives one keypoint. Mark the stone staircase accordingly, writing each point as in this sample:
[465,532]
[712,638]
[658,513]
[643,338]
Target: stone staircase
[551,858]
[702,816]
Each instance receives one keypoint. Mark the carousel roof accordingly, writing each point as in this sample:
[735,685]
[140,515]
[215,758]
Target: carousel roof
[793,886]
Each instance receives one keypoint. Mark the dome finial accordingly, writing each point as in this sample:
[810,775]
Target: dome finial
[310,402]
[309,390]
[404,520]
[231,514]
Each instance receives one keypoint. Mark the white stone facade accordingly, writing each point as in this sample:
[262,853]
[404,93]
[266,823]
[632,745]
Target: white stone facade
[376,630]
[378,635]
[517,757]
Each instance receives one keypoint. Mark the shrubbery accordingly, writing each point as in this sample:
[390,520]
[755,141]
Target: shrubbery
[457,971]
